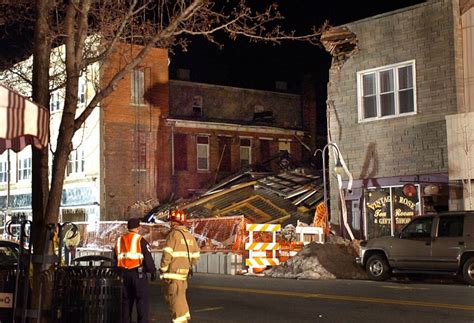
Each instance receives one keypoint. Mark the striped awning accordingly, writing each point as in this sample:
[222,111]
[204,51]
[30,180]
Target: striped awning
[22,122]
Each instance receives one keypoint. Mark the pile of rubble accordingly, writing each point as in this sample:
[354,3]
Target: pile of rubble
[140,208]
[333,260]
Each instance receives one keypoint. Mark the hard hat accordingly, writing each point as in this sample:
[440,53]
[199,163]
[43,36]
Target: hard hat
[177,216]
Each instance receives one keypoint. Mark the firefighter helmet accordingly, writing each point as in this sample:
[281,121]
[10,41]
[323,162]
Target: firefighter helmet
[177,216]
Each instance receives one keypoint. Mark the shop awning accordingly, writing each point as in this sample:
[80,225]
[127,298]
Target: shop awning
[22,122]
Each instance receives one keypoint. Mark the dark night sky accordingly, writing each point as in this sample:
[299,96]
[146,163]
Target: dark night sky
[251,65]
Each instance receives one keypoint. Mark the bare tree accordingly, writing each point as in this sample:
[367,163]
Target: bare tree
[112,23]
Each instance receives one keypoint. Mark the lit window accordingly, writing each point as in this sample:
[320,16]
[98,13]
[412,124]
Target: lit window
[245,152]
[138,86]
[3,172]
[24,169]
[76,162]
[284,146]
[386,91]
[202,143]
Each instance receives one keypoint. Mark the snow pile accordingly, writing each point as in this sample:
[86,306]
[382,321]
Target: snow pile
[334,259]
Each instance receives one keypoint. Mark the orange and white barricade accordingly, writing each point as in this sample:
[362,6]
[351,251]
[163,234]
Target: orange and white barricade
[258,250]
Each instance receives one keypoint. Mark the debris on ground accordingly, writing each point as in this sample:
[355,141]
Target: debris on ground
[334,259]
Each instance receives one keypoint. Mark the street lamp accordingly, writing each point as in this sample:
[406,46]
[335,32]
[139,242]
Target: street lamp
[338,169]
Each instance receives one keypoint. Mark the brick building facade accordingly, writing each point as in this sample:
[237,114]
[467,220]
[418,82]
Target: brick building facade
[130,131]
[156,139]
[216,130]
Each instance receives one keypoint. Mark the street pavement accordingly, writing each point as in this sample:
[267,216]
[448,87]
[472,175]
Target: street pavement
[221,298]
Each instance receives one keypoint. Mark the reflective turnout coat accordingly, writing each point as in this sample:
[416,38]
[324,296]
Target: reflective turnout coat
[174,266]
[175,262]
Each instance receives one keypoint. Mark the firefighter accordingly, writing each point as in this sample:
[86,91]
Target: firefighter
[180,253]
[132,253]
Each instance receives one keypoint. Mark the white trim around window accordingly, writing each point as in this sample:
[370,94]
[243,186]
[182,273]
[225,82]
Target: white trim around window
[76,163]
[387,92]
[138,86]
[24,169]
[3,171]
[245,151]
[202,153]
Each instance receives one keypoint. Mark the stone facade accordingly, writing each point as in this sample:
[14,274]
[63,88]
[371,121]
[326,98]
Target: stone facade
[430,35]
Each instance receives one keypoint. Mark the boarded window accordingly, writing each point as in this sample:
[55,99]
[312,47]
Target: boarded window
[264,150]
[140,151]
[180,152]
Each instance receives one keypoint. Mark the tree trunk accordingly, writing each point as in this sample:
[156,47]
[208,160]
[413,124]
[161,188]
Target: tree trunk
[40,191]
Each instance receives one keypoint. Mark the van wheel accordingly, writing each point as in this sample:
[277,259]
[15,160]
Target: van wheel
[377,268]
[468,271]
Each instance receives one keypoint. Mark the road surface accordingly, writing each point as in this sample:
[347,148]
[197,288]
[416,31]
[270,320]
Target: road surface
[222,298]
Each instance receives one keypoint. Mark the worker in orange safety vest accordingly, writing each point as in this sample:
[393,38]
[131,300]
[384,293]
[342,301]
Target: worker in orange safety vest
[132,253]
[180,253]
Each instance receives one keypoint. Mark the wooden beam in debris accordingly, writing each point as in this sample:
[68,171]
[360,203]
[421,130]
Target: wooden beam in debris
[210,197]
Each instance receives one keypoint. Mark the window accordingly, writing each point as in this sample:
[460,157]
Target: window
[389,209]
[418,228]
[81,96]
[138,86]
[197,106]
[76,162]
[24,169]
[3,172]
[245,152]
[451,226]
[180,152]
[202,146]
[284,146]
[387,91]
[54,104]
[139,156]
[264,150]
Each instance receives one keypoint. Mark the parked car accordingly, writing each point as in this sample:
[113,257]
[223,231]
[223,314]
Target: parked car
[9,252]
[429,244]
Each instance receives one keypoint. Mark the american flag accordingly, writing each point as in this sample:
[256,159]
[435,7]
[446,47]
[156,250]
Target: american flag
[22,122]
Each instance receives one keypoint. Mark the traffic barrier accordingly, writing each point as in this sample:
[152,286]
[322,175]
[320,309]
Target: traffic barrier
[263,227]
[262,262]
[259,246]
[257,260]
[310,234]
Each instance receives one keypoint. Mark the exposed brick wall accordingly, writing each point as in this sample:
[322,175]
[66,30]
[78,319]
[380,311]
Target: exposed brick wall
[231,103]
[190,180]
[122,122]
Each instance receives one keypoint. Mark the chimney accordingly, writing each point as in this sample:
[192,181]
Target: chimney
[183,74]
[281,86]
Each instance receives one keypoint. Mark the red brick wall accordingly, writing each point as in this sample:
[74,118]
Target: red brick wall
[122,122]
[192,180]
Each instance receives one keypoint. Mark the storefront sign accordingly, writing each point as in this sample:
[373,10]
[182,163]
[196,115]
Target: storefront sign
[384,205]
